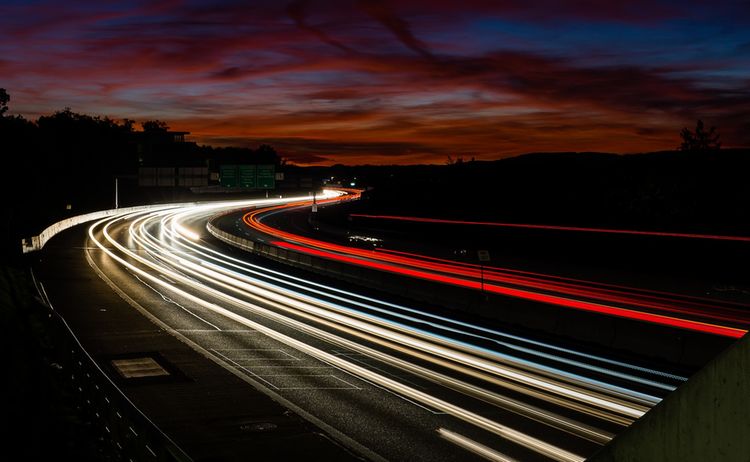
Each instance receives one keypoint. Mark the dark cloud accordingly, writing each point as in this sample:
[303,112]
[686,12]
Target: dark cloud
[312,150]
[334,94]
[398,26]
[297,10]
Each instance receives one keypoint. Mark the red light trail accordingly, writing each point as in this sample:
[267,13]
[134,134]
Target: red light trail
[660,307]
[555,228]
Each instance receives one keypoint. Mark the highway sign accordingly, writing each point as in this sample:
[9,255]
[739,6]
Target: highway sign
[247,176]
[228,176]
[483,255]
[266,176]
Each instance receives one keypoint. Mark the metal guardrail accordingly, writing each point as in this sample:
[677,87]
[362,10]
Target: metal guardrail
[128,434]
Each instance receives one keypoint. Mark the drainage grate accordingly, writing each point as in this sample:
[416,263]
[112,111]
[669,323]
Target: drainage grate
[133,368]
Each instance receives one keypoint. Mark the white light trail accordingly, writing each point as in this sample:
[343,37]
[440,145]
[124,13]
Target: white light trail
[174,250]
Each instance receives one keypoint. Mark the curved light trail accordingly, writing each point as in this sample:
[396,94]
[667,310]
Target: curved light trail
[552,385]
[684,312]
[714,237]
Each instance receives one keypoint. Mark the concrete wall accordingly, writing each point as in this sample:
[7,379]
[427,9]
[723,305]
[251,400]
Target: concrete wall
[35,243]
[706,419]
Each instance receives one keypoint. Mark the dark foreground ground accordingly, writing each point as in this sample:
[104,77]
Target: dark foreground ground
[40,418]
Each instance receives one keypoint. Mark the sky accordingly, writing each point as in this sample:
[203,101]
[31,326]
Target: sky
[390,82]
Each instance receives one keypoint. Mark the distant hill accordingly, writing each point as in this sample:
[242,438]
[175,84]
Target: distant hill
[667,190]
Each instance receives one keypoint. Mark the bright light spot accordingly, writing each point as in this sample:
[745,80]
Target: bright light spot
[374,240]
[183,231]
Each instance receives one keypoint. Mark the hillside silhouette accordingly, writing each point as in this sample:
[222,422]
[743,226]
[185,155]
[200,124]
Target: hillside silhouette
[670,190]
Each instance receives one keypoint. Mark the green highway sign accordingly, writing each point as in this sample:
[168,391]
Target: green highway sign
[247,176]
[266,177]
[228,176]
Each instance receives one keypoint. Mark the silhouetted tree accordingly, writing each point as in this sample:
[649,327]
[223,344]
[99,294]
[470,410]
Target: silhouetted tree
[266,154]
[128,124]
[700,140]
[154,126]
[4,98]
[451,161]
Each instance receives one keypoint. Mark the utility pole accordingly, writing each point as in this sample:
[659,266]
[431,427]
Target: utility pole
[483,256]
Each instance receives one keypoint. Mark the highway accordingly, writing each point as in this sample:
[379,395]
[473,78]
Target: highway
[387,380]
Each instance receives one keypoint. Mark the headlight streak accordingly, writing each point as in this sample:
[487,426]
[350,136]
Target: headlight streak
[183,231]
[352,298]
[493,355]
[330,292]
[503,431]
[472,446]
[473,349]
[323,310]
[532,412]
[489,353]
[545,417]
[648,399]
[173,247]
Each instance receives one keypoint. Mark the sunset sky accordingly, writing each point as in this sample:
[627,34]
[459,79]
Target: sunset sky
[390,82]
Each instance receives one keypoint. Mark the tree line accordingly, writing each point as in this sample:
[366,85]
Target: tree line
[65,163]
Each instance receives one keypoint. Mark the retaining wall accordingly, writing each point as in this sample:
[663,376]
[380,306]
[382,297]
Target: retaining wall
[707,418]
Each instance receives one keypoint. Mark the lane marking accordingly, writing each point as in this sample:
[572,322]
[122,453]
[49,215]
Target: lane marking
[239,366]
[169,300]
[225,331]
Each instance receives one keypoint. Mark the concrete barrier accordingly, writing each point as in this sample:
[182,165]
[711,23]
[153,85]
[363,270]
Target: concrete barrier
[707,418]
[35,243]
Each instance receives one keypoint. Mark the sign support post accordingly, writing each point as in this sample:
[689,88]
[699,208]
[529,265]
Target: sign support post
[483,256]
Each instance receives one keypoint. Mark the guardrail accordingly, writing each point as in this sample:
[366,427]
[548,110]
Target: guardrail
[127,432]
[231,239]
[35,243]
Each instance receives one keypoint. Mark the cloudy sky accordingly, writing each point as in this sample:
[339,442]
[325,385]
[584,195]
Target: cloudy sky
[373,81]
